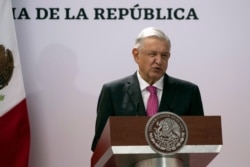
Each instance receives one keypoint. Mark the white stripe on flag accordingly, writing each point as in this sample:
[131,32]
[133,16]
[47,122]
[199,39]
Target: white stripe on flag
[14,122]
[13,93]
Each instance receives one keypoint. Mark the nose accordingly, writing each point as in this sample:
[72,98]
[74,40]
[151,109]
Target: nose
[158,59]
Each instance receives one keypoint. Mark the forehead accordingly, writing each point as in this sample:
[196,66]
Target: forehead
[155,43]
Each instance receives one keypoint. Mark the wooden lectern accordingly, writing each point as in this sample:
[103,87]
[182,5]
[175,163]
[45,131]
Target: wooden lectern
[123,142]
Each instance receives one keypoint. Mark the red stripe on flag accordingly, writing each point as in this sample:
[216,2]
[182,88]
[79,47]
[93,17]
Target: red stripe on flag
[15,137]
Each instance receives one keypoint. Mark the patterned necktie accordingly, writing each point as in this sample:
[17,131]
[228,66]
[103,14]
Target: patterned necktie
[152,106]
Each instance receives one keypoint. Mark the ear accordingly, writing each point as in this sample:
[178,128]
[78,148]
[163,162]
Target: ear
[135,53]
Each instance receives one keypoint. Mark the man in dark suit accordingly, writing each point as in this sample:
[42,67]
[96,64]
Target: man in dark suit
[129,96]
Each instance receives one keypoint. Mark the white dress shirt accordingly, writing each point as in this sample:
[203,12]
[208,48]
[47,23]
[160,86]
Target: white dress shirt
[145,94]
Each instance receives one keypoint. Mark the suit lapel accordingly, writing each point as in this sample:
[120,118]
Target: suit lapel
[167,94]
[134,92]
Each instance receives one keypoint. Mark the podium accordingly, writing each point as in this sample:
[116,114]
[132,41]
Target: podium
[123,143]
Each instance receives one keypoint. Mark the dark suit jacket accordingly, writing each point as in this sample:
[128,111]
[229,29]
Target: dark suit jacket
[123,98]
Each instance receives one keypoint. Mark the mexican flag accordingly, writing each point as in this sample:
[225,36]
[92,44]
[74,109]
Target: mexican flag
[14,123]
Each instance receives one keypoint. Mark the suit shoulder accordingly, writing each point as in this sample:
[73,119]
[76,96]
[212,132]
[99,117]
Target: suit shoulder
[120,82]
[181,82]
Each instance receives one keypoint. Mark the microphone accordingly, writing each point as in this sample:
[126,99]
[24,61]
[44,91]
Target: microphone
[137,109]
[169,108]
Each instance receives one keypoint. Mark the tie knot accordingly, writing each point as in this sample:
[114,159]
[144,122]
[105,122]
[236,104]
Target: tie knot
[152,89]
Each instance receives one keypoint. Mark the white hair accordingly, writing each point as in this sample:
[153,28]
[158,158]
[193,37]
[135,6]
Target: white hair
[150,32]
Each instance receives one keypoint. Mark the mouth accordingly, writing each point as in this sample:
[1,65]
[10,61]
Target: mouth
[156,68]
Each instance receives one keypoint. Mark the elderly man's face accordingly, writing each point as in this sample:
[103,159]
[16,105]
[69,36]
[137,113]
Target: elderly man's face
[152,58]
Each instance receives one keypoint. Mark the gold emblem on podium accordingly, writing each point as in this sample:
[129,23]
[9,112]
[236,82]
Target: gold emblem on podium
[166,133]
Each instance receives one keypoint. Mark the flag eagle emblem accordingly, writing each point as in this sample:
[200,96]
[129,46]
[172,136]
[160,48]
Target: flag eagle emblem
[6,66]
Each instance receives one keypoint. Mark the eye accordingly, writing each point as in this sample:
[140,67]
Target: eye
[165,55]
[152,54]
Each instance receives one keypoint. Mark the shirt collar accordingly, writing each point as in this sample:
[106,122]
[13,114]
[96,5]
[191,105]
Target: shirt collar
[143,84]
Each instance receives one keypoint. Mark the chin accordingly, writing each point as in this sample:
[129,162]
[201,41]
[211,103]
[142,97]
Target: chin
[157,75]
[155,78]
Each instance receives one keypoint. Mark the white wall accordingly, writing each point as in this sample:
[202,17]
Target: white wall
[65,63]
